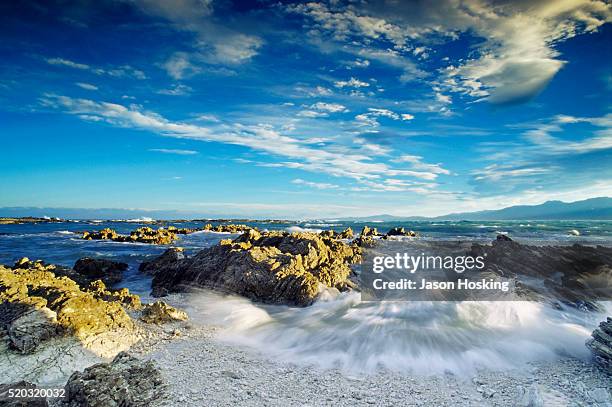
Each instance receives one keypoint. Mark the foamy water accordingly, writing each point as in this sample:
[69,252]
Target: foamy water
[418,337]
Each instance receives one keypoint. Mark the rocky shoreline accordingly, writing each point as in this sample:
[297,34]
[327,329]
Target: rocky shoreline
[64,327]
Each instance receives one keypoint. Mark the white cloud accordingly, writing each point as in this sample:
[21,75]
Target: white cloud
[333,159]
[370,118]
[217,43]
[407,116]
[179,66]
[329,107]
[416,162]
[173,151]
[120,71]
[351,83]
[176,90]
[317,185]
[65,62]
[312,114]
[86,86]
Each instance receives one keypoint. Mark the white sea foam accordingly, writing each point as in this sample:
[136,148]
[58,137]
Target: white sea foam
[294,229]
[422,337]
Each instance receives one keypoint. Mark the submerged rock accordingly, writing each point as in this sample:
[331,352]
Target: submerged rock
[601,344]
[159,313]
[272,267]
[126,381]
[110,272]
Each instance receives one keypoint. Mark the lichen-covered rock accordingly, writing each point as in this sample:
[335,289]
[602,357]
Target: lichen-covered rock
[126,381]
[33,298]
[140,235]
[227,228]
[110,272]
[601,344]
[367,231]
[398,231]
[272,267]
[160,313]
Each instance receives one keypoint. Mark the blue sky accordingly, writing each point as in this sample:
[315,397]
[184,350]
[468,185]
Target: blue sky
[315,109]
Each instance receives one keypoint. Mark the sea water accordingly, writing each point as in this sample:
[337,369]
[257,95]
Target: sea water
[341,331]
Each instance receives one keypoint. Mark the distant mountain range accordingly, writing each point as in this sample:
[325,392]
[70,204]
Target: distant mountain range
[589,209]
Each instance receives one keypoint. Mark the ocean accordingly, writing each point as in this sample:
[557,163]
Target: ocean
[342,331]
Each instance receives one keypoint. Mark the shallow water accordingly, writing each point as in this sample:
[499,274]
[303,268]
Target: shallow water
[422,337]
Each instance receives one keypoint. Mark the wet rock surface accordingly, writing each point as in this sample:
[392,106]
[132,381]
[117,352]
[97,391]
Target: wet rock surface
[577,275]
[601,345]
[126,381]
[272,267]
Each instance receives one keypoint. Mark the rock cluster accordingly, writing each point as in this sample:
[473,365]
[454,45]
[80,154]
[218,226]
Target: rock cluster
[272,267]
[140,235]
[345,234]
[110,272]
[401,232]
[160,313]
[126,381]
[601,344]
[37,305]
[227,228]
[576,275]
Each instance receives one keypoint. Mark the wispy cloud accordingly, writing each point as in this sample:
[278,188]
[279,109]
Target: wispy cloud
[173,151]
[118,71]
[316,185]
[86,86]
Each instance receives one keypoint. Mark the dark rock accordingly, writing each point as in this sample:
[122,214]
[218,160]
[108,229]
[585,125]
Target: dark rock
[401,232]
[576,275]
[110,272]
[126,381]
[5,401]
[272,267]
[601,344]
[503,238]
[168,259]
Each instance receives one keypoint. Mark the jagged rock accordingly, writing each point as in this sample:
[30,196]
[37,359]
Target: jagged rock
[140,235]
[367,231]
[503,238]
[168,259]
[601,344]
[346,234]
[273,267]
[31,328]
[397,231]
[577,275]
[159,313]
[31,290]
[227,228]
[5,401]
[110,272]
[98,289]
[126,381]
